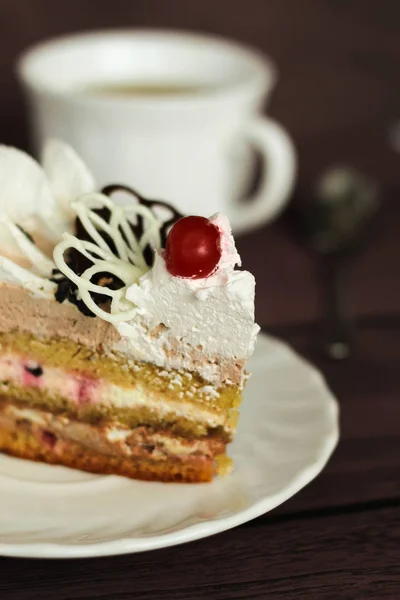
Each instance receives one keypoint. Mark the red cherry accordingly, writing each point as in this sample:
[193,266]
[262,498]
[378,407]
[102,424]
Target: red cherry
[193,248]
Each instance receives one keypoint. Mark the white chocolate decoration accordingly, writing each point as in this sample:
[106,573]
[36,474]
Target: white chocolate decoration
[67,175]
[126,262]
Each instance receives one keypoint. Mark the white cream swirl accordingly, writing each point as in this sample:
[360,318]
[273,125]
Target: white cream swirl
[214,314]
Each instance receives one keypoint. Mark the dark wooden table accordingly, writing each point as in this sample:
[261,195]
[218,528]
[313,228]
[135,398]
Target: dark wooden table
[339,95]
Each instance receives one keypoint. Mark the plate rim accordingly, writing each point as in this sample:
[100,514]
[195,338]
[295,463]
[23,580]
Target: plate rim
[206,528]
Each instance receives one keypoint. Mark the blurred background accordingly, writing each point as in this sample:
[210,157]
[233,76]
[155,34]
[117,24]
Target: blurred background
[338,95]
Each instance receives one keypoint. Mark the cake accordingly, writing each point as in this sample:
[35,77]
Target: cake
[125,327]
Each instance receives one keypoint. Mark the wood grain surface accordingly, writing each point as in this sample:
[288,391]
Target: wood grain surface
[339,95]
[350,555]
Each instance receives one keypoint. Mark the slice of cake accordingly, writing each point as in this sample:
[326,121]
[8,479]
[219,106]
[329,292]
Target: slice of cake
[124,328]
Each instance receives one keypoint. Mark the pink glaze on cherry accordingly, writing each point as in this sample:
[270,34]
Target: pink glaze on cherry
[193,248]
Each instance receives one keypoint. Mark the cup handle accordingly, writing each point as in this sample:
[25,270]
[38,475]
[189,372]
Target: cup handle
[280,167]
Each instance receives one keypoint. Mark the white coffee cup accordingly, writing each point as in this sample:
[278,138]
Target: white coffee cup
[191,149]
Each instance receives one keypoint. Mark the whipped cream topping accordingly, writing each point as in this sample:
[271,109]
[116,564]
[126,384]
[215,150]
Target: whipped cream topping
[215,313]
[160,317]
[229,255]
[37,199]
[67,175]
[36,279]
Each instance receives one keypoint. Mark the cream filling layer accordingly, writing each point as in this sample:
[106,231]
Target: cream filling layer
[82,390]
[115,435]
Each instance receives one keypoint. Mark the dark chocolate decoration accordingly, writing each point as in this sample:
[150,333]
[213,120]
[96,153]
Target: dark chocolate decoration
[67,290]
[35,371]
[138,229]
[77,261]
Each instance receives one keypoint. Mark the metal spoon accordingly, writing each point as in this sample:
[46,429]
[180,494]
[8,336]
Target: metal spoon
[336,223]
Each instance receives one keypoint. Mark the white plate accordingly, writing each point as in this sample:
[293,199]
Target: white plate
[287,431]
